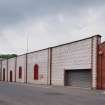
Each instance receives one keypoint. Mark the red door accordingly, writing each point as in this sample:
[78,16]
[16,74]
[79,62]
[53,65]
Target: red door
[3,74]
[36,72]
[10,76]
[20,72]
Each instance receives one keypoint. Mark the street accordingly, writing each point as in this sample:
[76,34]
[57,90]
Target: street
[22,94]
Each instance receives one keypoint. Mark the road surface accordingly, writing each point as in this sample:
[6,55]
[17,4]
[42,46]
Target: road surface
[21,94]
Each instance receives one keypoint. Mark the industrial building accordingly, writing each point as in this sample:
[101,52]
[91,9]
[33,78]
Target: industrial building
[77,64]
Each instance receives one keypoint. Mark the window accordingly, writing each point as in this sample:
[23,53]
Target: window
[20,72]
[36,72]
[3,74]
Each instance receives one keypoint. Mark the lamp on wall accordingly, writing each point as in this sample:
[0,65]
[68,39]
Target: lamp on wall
[100,52]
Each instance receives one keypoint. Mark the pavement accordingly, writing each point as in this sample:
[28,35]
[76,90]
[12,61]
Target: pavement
[22,94]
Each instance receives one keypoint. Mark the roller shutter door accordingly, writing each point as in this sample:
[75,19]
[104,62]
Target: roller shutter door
[78,78]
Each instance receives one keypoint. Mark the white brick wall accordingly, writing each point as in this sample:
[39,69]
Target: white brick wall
[40,58]
[71,56]
[0,65]
[0,70]
[94,62]
[77,55]
[49,64]
[11,67]
[21,61]
[4,66]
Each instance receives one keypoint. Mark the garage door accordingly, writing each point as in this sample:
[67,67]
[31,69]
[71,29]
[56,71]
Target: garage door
[78,78]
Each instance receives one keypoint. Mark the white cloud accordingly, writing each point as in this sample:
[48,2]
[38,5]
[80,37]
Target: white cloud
[52,28]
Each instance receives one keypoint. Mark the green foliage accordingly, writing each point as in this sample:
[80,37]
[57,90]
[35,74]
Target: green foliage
[7,56]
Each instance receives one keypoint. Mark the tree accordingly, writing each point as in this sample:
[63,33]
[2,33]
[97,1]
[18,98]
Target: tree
[7,56]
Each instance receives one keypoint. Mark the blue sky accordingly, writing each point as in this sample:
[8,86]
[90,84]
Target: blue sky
[48,23]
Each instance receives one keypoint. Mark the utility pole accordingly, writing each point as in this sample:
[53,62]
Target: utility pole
[27,43]
[26,55]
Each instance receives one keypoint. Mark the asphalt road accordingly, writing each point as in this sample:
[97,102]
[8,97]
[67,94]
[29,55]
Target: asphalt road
[18,94]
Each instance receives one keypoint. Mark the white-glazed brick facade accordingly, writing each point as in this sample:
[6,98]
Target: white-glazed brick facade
[53,62]
[11,67]
[41,59]
[21,62]
[94,61]
[0,70]
[75,55]
[4,66]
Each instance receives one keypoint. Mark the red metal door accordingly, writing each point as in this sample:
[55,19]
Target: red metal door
[3,74]
[36,72]
[20,72]
[10,76]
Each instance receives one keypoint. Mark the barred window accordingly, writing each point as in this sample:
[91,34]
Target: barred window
[20,72]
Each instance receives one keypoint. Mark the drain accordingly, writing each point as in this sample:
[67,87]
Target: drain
[55,93]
